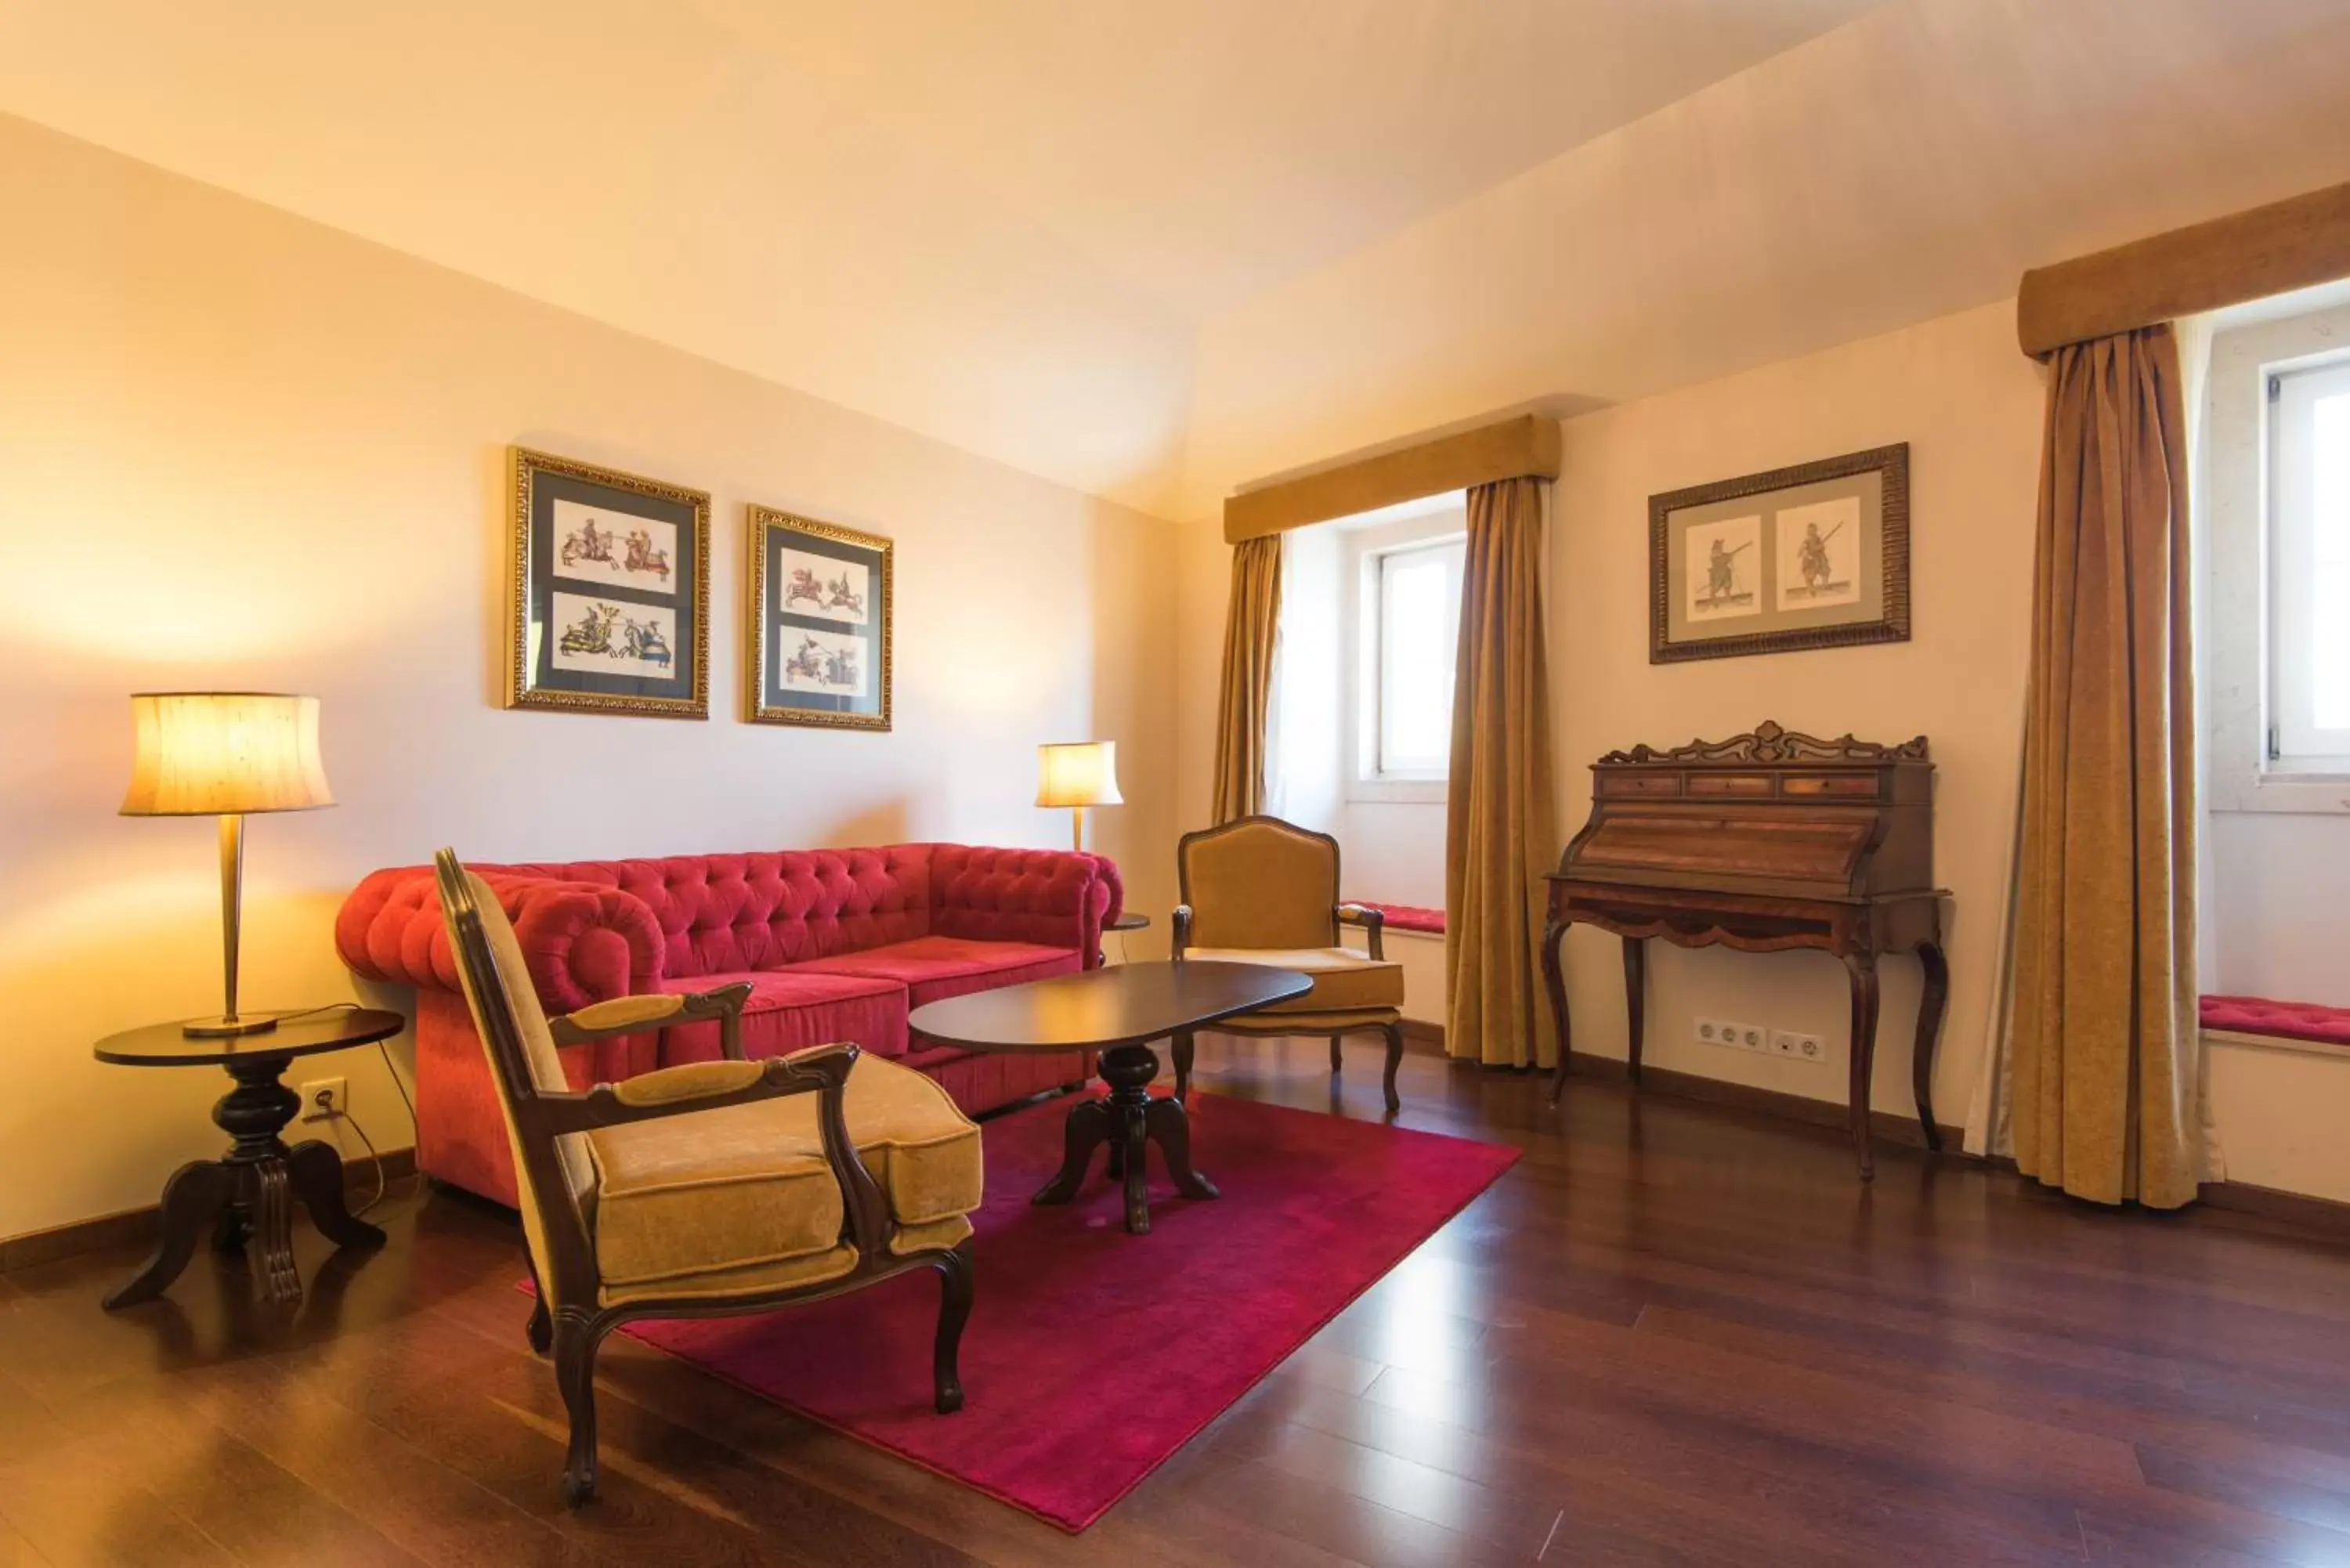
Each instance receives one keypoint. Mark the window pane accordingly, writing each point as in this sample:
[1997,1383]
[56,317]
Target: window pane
[1419,620]
[2329,530]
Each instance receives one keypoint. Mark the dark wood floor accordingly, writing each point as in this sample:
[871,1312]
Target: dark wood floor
[1673,1333]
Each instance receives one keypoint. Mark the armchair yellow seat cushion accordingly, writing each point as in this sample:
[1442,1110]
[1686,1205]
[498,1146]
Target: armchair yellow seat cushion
[745,1188]
[1343,980]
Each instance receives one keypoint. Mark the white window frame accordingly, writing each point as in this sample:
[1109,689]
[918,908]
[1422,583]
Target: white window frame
[1361,777]
[2235,577]
[2296,745]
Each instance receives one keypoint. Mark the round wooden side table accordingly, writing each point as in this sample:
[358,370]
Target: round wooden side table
[249,1192]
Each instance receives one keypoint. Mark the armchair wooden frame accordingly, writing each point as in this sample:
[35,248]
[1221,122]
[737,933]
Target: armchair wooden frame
[574,1328]
[1270,1025]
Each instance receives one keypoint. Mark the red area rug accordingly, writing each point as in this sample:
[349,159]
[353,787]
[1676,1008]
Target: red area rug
[1314,1209]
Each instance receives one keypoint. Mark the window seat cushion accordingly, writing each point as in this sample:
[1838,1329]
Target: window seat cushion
[2285,1020]
[1408,917]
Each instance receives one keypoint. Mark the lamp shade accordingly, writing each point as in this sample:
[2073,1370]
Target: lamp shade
[220,754]
[1079,772]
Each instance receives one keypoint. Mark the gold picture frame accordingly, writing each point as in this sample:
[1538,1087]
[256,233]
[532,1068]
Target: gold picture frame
[820,623]
[607,592]
[1812,556]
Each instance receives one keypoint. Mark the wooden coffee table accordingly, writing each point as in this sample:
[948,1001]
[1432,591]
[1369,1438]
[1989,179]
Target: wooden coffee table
[1116,1011]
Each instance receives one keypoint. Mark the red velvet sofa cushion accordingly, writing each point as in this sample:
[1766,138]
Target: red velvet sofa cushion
[2288,1020]
[1408,917]
[791,1009]
[933,969]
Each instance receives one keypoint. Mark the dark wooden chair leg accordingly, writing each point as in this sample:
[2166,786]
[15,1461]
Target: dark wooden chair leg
[955,1311]
[541,1329]
[1862,966]
[1554,983]
[194,1201]
[1931,1001]
[1394,1031]
[576,1337]
[1337,1058]
[1182,1055]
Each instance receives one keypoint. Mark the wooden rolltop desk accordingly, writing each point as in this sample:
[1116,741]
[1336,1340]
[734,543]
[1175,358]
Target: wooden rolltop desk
[1768,841]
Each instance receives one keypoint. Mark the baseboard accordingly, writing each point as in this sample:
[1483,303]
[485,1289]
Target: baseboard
[1890,1126]
[2323,1217]
[1426,1037]
[135,1225]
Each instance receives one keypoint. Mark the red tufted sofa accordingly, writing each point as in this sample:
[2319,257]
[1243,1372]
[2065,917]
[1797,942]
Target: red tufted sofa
[837,944]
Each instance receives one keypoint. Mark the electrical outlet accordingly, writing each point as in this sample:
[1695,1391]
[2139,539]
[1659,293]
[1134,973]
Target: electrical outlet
[325,1098]
[1751,1036]
[1802,1047]
[1712,1032]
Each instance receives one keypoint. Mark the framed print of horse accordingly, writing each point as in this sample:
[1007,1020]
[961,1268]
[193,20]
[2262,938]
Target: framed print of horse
[609,592]
[818,631]
[1812,556]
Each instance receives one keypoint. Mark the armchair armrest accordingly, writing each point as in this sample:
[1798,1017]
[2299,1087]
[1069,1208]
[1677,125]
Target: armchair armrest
[1373,921]
[820,1070]
[631,1014]
[1179,926]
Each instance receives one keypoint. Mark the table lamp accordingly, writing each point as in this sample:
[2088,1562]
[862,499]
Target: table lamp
[226,754]
[1077,773]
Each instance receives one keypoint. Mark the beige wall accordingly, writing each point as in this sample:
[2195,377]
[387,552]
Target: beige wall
[242,449]
[1968,405]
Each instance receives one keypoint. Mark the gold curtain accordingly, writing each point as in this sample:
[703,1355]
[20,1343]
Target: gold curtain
[2103,1041]
[1498,838]
[1251,621]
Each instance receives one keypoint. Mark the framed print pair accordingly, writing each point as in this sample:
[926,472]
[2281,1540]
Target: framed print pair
[608,603]
[610,597]
[1812,556]
[819,645]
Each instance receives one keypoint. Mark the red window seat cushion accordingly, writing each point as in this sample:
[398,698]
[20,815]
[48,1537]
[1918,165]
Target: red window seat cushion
[790,1009]
[2286,1020]
[1408,917]
[935,967]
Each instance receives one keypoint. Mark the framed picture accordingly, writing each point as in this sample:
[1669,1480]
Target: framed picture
[1813,556]
[819,623]
[610,597]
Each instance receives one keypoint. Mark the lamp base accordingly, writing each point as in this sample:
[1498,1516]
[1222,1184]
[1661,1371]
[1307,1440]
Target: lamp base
[218,1028]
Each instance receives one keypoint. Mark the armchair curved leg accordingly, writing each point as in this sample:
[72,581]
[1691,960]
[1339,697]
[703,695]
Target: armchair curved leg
[1394,1031]
[576,1337]
[541,1332]
[955,1311]
[1338,1060]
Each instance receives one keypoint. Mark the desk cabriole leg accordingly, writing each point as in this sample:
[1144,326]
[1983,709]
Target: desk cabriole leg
[1932,1004]
[1554,984]
[1862,967]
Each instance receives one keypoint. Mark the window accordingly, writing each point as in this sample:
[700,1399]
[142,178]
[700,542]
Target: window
[1411,637]
[2309,649]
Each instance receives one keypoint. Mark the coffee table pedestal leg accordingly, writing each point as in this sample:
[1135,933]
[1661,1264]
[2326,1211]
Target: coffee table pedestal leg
[1126,1119]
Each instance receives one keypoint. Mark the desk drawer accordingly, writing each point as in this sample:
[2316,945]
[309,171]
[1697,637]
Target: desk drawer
[1832,786]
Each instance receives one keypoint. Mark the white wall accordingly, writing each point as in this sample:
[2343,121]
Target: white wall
[241,449]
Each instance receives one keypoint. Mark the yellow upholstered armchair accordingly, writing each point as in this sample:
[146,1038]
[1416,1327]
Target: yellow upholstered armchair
[711,1187]
[1261,890]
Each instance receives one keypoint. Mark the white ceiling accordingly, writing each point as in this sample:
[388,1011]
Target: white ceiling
[997,223]
[1208,148]
[1154,248]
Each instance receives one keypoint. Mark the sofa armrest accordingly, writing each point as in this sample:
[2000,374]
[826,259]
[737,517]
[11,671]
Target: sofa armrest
[1055,898]
[583,943]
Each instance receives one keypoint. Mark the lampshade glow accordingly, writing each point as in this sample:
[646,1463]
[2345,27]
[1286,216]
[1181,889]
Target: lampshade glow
[1079,772]
[205,753]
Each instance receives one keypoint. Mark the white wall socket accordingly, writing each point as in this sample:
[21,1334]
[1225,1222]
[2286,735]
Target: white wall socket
[339,1097]
[1794,1043]
[1737,1036]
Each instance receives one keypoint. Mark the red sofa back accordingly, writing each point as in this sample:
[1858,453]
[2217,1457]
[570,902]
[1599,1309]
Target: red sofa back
[598,928]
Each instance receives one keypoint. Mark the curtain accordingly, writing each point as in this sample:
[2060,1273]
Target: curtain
[1252,618]
[1499,838]
[2105,1080]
